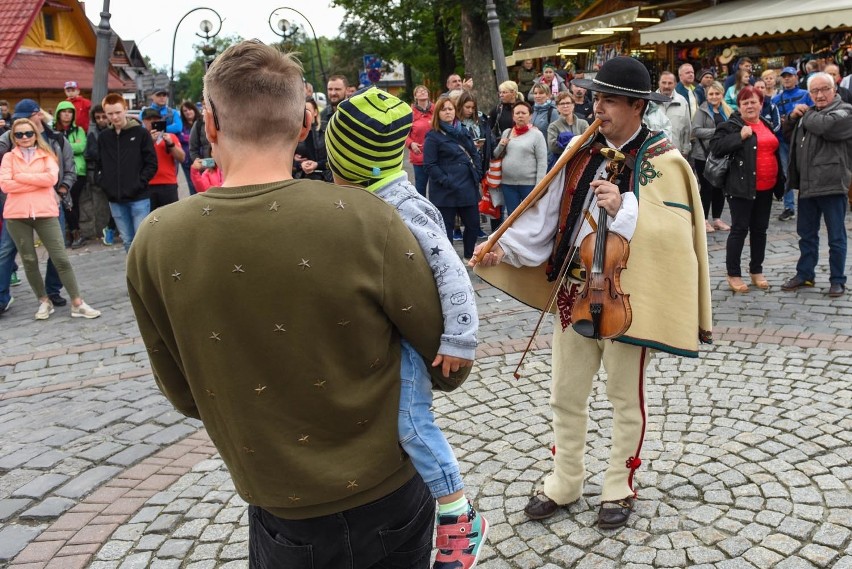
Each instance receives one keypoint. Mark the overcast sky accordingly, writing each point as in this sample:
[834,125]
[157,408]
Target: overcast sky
[140,21]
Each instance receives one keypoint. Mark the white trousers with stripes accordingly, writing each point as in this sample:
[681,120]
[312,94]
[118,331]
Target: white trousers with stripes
[576,360]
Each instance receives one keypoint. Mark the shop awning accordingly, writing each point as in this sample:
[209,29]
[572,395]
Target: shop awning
[744,18]
[612,20]
[531,53]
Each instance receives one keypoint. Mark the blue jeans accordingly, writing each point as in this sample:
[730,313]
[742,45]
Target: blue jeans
[833,210]
[186,169]
[7,265]
[514,195]
[394,532]
[421,179]
[419,436]
[128,217]
[789,196]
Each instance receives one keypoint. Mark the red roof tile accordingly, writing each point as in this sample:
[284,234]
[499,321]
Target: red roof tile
[16,17]
[40,70]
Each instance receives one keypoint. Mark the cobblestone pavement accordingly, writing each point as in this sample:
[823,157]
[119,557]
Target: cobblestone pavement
[746,462]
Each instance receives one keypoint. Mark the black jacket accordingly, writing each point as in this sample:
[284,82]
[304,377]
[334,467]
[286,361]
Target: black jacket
[126,163]
[454,167]
[742,174]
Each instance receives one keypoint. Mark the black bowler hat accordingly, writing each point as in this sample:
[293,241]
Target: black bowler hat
[623,76]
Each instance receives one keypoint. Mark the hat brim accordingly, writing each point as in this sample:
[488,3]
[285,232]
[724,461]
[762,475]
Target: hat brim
[597,87]
[17,116]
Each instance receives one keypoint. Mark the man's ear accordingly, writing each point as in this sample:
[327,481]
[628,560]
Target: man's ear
[210,130]
[306,125]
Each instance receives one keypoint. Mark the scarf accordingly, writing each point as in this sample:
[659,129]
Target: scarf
[519,130]
[453,129]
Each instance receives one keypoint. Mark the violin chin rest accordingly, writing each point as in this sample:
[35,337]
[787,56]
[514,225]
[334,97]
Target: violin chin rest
[585,328]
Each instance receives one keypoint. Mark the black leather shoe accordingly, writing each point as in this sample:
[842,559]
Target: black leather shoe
[57,300]
[615,514]
[540,506]
[796,282]
[836,289]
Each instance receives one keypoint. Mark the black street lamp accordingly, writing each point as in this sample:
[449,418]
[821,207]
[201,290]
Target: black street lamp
[496,42]
[281,26]
[206,27]
[101,79]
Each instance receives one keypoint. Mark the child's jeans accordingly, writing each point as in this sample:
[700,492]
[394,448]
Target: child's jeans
[419,436]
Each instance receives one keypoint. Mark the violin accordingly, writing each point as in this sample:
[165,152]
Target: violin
[602,310]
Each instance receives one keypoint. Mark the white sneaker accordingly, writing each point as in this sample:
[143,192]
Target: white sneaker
[84,311]
[45,309]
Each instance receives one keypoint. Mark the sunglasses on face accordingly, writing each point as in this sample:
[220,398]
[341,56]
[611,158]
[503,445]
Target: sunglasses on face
[25,134]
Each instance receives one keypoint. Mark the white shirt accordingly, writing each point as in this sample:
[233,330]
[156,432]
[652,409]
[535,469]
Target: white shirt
[529,242]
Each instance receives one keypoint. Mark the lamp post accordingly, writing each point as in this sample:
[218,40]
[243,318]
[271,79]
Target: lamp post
[206,26]
[283,24]
[99,85]
[496,42]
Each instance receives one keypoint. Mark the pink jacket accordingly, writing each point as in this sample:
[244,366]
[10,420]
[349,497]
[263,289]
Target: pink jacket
[210,178]
[29,186]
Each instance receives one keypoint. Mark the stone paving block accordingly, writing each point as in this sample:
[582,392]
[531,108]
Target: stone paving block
[87,481]
[14,538]
[40,486]
[21,456]
[136,561]
[50,508]
[132,454]
[10,506]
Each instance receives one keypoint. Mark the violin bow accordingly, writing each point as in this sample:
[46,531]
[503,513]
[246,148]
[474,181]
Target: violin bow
[538,190]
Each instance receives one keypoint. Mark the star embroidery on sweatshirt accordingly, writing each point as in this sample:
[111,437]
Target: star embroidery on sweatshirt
[362,422]
[304,439]
[154,219]
[279,328]
[408,308]
[436,250]
[375,363]
[215,336]
[340,204]
[343,323]
[238,269]
[176,275]
[294,498]
[305,264]
[260,389]
[274,206]
[248,450]
[352,485]
[320,384]
[210,394]
[206,210]
[410,255]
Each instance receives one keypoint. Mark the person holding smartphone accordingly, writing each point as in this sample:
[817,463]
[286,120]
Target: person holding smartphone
[311,161]
[163,186]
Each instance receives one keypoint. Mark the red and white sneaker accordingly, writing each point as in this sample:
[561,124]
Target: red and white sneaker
[460,540]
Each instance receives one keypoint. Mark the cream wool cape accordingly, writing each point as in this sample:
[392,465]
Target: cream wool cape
[667,274]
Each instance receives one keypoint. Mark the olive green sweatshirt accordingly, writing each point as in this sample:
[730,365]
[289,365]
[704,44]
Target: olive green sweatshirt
[273,313]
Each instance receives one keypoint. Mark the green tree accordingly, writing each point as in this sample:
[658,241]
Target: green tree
[189,83]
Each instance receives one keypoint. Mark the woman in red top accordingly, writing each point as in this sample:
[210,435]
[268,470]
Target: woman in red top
[755,175]
[28,174]
[421,124]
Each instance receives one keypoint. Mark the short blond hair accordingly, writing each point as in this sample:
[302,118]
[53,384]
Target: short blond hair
[258,94]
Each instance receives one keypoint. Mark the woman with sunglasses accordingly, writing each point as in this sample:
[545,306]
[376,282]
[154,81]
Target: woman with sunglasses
[28,174]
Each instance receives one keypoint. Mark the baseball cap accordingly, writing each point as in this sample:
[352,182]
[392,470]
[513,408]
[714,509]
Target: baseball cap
[366,136]
[24,109]
[71,85]
[158,91]
[788,70]
[150,113]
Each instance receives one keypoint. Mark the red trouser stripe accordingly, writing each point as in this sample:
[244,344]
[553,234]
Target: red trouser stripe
[635,458]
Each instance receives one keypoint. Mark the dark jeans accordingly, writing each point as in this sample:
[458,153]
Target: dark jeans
[185,166]
[833,210]
[163,194]
[748,217]
[74,214]
[710,194]
[394,532]
[421,179]
[470,219]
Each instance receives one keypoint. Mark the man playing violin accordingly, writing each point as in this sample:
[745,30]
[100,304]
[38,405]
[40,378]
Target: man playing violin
[654,204]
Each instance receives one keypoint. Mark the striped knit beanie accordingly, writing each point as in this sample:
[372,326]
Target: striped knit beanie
[366,136]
